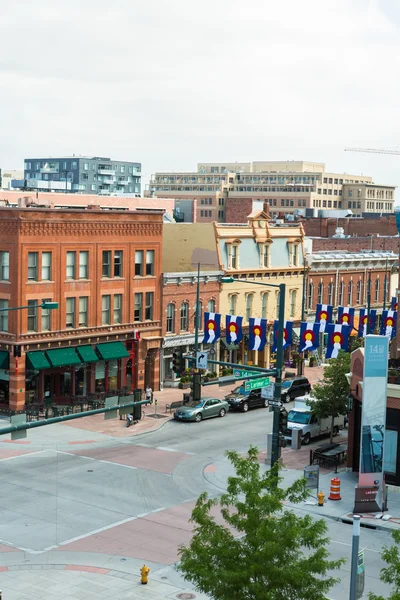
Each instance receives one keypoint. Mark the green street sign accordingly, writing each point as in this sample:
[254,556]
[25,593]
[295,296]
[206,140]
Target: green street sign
[239,373]
[256,383]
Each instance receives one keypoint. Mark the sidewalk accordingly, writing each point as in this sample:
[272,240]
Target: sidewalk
[117,428]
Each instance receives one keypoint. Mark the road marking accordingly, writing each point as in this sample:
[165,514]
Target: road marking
[347,544]
[23,454]
[107,462]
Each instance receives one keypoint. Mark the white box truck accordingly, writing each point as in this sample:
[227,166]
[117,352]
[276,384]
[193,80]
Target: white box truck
[301,417]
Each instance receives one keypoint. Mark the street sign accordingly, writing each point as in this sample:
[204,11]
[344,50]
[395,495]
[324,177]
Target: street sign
[201,360]
[311,475]
[275,403]
[268,391]
[239,373]
[254,384]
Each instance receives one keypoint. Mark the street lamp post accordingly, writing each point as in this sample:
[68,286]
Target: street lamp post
[44,304]
[279,359]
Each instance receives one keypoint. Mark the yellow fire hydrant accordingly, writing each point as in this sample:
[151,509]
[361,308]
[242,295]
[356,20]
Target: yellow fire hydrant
[144,572]
[321,497]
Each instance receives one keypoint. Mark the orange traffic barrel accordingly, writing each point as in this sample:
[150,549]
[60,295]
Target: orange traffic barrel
[335,489]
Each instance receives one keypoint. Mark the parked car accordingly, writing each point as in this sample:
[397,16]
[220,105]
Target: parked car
[239,399]
[301,417]
[293,388]
[204,409]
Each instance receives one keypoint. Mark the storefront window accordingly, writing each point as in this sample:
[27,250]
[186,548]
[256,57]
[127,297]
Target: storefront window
[32,386]
[81,382]
[100,376]
[4,386]
[65,384]
[112,374]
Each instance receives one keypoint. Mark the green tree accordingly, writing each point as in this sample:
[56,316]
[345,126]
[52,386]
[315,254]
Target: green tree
[329,398]
[261,551]
[391,573]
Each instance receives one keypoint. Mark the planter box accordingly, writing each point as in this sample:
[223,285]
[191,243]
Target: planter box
[183,386]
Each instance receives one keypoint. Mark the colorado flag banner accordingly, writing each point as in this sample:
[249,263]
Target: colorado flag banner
[389,320]
[345,315]
[338,339]
[287,334]
[394,304]
[323,315]
[309,336]
[233,329]
[257,333]
[362,324]
[212,327]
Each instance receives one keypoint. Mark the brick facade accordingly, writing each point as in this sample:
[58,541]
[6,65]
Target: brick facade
[326,227]
[356,244]
[26,234]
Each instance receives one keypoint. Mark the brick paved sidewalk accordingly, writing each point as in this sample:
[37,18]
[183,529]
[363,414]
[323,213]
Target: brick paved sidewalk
[117,428]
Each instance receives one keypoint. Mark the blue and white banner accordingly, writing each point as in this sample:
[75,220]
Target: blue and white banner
[323,315]
[234,332]
[212,327]
[373,417]
[388,325]
[257,333]
[309,336]
[287,335]
[338,339]
[394,304]
[362,324]
[345,315]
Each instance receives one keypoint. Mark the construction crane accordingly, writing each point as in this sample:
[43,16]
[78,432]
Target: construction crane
[372,150]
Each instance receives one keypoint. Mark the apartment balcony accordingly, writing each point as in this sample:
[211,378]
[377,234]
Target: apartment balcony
[123,182]
[105,171]
[108,181]
[49,170]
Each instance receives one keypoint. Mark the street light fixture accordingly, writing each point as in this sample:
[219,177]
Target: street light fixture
[279,358]
[45,304]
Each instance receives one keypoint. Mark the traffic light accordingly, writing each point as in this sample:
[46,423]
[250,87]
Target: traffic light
[178,363]
[195,387]
[283,418]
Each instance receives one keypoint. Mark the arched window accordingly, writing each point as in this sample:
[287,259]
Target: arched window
[320,292]
[249,306]
[377,289]
[185,317]
[350,293]
[359,291]
[171,318]
[330,292]
[310,299]
[341,293]
[293,295]
[232,304]
[200,315]
[264,305]
[211,306]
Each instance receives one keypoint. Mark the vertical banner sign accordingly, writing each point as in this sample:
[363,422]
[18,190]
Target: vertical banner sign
[373,417]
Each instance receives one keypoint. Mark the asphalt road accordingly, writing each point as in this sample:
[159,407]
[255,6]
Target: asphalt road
[89,499]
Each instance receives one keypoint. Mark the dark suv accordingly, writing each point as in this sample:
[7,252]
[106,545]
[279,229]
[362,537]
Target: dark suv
[239,399]
[293,388]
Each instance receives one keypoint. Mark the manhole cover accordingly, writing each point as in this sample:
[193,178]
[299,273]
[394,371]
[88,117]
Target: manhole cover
[186,596]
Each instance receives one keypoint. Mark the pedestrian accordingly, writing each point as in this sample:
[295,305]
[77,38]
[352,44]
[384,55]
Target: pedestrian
[149,394]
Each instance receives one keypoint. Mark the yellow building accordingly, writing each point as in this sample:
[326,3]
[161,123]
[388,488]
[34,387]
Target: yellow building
[267,253]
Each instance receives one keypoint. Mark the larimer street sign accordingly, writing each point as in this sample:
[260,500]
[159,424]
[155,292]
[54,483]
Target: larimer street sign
[253,384]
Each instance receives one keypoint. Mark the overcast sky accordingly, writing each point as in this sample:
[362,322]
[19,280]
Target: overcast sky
[172,83]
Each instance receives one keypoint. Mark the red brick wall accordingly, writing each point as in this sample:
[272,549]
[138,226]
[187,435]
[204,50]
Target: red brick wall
[237,210]
[356,244]
[326,227]
[186,292]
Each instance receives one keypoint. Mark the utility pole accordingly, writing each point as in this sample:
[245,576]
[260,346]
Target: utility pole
[278,378]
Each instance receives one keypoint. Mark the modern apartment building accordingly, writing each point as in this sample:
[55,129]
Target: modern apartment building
[103,268]
[287,187]
[81,174]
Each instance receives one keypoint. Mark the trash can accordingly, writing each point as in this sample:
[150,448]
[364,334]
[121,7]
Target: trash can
[186,398]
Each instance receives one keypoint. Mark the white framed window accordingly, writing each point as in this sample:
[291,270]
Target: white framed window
[211,306]
[70,269]
[293,296]
[139,262]
[46,266]
[171,318]
[234,257]
[106,263]
[310,295]
[149,306]
[320,293]
[185,316]
[70,315]
[117,309]
[249,306]
[265,255]
[4,266]
[294,255]
[4,315]
[264,305]
[341,293]
[118,263]
[83,264]
[149,262]
[330,292]
[138,311]
[350,293]
[232,304]
[105,310]
[32,266]
[83,311]
[359,292]
[377,289]
[32,315]
[46,316]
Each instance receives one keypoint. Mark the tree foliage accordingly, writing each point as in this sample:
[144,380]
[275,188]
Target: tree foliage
[260,551]
[391,573]
[329,398]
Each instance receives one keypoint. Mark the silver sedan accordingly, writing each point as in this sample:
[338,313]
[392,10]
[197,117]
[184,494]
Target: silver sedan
[204,409]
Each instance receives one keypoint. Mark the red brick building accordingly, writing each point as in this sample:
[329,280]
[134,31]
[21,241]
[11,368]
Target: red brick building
[104,270]
[375,225]
[184,247]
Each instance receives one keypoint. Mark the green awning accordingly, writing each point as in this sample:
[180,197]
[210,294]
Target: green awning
[37,361]
[229,346]
[87,354]
[63,357]
[4,359]
[112,350]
